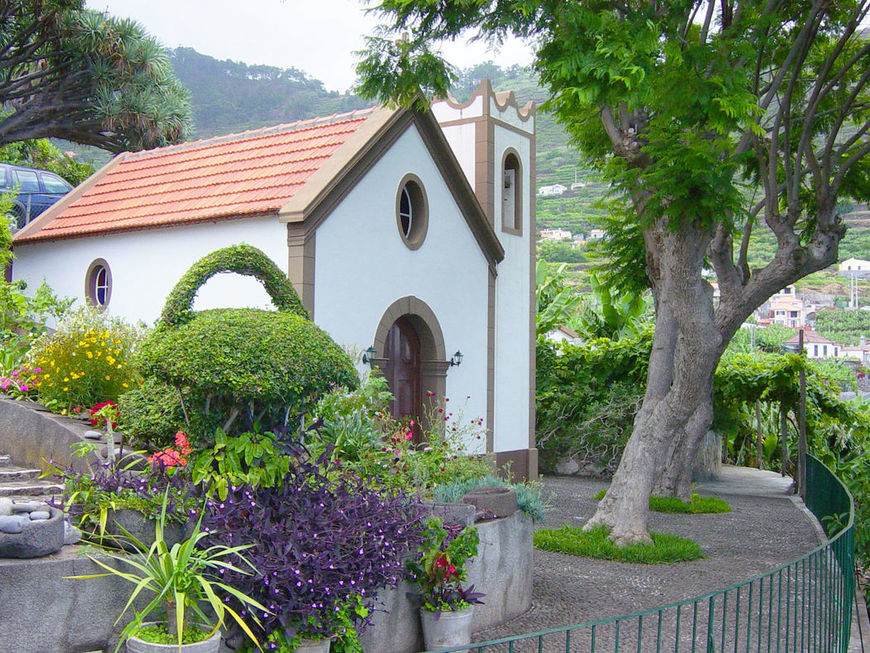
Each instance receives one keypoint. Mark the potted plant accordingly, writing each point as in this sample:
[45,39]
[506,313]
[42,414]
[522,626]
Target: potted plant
[446,606]
[182,579]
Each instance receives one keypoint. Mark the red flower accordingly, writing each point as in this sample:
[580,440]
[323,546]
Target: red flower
[101,421]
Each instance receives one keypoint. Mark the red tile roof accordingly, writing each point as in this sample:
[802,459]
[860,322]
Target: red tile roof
[240,175]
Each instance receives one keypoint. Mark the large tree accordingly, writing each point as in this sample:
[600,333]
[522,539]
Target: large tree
[710,120]
[72,73]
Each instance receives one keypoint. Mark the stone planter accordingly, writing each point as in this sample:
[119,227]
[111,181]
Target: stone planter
[210,645]
[36,539]
[493,501]
[314,645]
[142,528]
[447,629]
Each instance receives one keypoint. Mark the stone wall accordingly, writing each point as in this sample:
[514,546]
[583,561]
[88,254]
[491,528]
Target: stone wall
[42,610]
[32,435]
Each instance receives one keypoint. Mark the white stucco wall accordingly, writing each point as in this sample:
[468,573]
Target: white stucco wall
[145,265]
[362,266]
[513,303]
[461,138]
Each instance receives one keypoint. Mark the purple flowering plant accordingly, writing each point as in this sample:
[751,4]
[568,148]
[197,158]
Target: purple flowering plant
[321,541]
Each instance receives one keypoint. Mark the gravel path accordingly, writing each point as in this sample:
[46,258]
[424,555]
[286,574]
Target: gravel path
[766,527]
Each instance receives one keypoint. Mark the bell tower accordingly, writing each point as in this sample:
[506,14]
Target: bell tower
[493,139]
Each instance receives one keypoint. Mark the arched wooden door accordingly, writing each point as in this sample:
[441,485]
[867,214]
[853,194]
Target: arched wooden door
[402,369]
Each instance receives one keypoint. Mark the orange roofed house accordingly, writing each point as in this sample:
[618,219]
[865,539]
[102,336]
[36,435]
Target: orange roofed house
[408,231]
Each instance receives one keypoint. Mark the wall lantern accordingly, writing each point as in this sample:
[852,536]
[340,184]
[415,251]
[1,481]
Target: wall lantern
[368,356]
[456,359]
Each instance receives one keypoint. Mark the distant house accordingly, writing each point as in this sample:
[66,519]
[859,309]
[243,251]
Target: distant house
[787,309]
[577,185]
[815,345]
[555,189]
[564,334]
[854,265]
[596,234]
[555,234]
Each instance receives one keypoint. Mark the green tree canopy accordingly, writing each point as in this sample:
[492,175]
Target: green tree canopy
[72,73]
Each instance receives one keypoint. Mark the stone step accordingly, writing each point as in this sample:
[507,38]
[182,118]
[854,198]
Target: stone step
[29,488]
[15,473]
[4,460]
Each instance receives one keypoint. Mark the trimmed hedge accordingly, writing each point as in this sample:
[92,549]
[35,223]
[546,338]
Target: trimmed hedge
[243,369]
[151,413]
[241,259]
[250,354]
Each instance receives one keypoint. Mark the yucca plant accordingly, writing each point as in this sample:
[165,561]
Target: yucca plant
[182,579]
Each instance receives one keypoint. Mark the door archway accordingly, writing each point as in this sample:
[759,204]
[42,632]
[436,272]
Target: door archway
[412,358]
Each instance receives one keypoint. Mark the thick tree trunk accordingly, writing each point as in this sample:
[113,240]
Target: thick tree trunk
[686,348]
[676,479]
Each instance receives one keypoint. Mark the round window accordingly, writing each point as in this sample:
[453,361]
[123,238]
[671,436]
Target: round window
[98,284]
[412,211]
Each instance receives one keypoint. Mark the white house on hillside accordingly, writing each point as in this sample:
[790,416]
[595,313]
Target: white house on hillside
[555,189]
[854,265]
[815,345]
[411,232]
[555,234]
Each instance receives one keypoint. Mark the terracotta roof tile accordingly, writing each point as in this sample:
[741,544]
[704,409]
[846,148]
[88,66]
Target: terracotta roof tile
[252,173]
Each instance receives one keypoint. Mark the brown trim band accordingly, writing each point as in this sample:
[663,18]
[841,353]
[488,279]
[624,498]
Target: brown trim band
[523,463]
[490,361]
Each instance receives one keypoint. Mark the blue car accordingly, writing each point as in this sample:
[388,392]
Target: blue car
[36,191]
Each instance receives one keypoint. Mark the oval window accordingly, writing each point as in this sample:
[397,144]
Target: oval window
[412,211]
[98,284]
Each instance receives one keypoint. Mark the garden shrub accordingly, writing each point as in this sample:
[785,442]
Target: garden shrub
[243,368]
[241,259]
[320,542]
[88,359]
[151,413]
[368,442]
[587,397]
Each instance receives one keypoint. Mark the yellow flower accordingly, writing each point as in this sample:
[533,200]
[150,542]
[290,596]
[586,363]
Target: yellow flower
[90,355]
[65,389]
[108,377]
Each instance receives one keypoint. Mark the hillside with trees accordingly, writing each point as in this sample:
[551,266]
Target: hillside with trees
[229,96]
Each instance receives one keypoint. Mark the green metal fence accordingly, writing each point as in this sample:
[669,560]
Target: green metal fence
[800,607]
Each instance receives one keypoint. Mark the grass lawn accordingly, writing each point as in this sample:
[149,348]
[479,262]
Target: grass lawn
[595,544]
[696,506]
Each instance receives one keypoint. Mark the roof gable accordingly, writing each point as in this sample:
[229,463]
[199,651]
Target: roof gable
[239,175]
[330,184]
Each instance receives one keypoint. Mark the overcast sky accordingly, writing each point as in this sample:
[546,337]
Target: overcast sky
[317,36]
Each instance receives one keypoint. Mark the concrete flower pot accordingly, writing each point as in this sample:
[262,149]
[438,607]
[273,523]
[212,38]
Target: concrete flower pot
[494,501]
[36,539]
[447,629]
[142,528]
[210,645]
[314,645]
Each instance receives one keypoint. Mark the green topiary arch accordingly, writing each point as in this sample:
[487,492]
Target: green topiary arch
[241,259]
[242,368]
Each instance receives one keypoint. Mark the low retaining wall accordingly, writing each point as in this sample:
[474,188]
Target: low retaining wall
[32,435]
[44,611]
[503,570]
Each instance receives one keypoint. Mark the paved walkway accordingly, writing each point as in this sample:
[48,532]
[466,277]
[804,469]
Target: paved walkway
[766,527]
